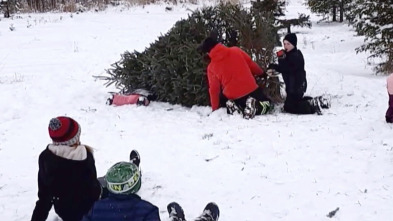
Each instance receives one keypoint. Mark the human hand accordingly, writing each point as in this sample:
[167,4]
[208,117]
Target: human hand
[270,72]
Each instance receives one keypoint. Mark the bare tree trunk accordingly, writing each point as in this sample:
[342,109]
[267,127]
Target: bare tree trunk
[36,5]
[334,12]
[341,10]
[53,4]
[6,9]
[43,5]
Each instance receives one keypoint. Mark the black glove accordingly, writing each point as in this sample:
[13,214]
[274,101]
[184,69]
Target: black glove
[272,66]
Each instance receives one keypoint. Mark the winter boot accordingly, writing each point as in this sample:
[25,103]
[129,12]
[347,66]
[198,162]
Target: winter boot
[175,211]
[135,158]
[316,105]
[250,109]
[232,107]
[109,101]
[265,106]
[142,101]
[324,101]
[210,213]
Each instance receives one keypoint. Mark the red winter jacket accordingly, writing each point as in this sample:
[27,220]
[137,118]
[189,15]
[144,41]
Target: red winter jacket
[232,71]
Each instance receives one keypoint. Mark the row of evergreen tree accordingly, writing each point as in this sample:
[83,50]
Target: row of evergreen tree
[370,18]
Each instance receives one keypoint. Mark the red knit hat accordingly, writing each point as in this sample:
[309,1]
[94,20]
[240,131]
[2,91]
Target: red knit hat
[64,131]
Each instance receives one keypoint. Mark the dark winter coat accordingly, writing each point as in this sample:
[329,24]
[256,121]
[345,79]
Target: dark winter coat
[389,112]
[292,69]
[121,207]
[70,185]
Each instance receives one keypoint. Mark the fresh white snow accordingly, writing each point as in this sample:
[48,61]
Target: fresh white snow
[275,167]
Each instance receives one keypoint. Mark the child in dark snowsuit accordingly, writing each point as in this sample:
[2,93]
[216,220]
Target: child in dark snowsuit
[291,66]
[389,112]
[67,177]
[122,182]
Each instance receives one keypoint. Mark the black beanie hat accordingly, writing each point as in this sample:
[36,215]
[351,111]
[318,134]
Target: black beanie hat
[291,37]
[207,45]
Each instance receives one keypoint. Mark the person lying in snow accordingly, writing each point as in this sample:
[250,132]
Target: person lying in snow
[291,66]
[231,72]
[120,201]
[67,177]
[139,97]
[389,112]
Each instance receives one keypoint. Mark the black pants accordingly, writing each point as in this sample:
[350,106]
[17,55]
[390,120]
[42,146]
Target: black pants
[258,95]
[297,104]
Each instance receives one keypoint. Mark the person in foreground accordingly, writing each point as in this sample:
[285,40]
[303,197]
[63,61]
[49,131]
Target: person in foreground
[67,177]
[123,181]
[389,112]
[210,213]
[232,73]
[291,66]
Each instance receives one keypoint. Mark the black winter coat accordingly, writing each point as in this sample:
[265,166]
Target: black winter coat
[70,185]
[292,69]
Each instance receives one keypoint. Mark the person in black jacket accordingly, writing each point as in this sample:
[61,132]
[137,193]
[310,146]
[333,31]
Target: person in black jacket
[67,177]
[291,66]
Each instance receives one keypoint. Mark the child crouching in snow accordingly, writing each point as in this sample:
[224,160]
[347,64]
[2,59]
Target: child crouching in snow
[67,177]
[389,112]
[122,182]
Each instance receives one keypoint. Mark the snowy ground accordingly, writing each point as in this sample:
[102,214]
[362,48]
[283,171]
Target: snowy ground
[276,167]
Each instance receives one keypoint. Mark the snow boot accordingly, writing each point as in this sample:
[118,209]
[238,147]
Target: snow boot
[324,101]
[316,105]
[265,107]
[232,107]
[210,213]
[109,101]
[175,211]
[250,109]
[135,158]
[142,101]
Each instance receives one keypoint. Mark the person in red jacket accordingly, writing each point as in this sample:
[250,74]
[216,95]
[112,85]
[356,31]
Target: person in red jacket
[232,73]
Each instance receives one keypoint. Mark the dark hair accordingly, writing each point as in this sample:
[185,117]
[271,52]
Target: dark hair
[207,45]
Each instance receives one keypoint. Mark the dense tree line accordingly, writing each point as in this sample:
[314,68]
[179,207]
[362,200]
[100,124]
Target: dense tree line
[370,18]
[54,5]
[335,10]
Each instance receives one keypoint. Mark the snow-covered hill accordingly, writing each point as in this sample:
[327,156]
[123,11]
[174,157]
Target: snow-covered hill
[275,167]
